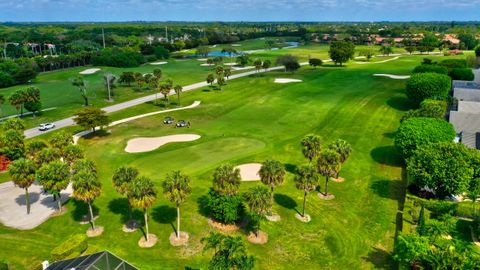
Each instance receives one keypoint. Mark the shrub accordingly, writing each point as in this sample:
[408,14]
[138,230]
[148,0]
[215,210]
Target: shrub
[454,63]
[3,265]
[428,108]
[75,244]
[225,208]
[423,86]
[477,51]
[161,53]
[151,58]
[431,69]
[417,131]
[463,74]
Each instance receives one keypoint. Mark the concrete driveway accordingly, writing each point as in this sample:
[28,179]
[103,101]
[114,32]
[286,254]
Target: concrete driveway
[13,209]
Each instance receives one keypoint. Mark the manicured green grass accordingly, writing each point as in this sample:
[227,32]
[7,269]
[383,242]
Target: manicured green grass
[251,120]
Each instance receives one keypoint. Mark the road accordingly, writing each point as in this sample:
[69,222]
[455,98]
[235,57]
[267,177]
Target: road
[33,132]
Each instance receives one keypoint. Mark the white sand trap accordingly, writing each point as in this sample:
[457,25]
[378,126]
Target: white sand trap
[284,80]
[89,71]
[391,76]
[159,63]
[243,68]
[236,45]
[378,62]
[141,144]
[202,59]
[206,65]
[214,46]
[230,64]
[249,171]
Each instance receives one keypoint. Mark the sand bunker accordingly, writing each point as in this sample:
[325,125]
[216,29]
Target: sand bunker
[202,59]
[230,64]
[249,171]
[143,144]
[158,63]
[89,71]
[391,76]
[236,45]
[283,80]
[206,65]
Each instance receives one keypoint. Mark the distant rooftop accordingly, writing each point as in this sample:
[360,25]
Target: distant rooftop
[466,84]
[98,261]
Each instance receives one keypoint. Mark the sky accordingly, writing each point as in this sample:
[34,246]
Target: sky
[239,10]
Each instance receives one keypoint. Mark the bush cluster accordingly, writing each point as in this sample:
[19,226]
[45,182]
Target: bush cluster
[19,71]
[454,63]
[430,68]
[225,208]
[418,131]
[463,74]
[428,108]
[76,244]
[423,86]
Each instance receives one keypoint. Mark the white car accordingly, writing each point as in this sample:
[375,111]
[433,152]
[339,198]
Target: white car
[46,126]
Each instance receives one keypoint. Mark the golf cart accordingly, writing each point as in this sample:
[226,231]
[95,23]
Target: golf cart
[182,123]
[168,120]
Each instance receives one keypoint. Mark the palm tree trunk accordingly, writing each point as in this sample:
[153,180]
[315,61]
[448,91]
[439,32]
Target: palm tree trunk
[91,215]
[326,186]
[129,211]
[27,201]
[304,203]
[146,223]
[178,222]
[178,98]
[59,202]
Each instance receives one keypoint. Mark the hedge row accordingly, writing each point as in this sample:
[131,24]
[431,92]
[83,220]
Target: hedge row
[423,86]
[76,244]
[440,207]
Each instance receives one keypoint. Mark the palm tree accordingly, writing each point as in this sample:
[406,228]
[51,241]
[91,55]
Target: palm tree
[165,90]
[178,90]
[109,81]
[16,100]
[258,64]
[311,145]
[72,153]
[122,178]
[155,85]
[142,194]
[343,148]
[218,70]
[54,178]
[47,155]
[210,79]
[230,252]
[259,201]
[227,72]
[33,148]
[220,81]
[266,64]
[81,85]
[272,174]
[87,188]
[328,165]
[22,172]
[306,179]
[157,73]
[177,188]
[226,180]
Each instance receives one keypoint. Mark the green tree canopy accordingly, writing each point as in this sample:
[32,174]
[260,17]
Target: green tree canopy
[445,167]
[417,131]
[341,51]
[90,118]
[423,86]
[226,180]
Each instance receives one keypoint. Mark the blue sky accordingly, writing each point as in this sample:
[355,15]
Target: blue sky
[238,10]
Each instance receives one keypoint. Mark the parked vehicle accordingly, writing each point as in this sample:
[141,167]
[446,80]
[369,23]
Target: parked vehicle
[182,123]
[46,126]
[168,120]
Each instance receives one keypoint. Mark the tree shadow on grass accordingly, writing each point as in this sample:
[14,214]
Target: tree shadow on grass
[165,214]
[291,168]
[81,212]
[389,189]
[120,206]
[387,155]
[400,103]
[202,202]
[380,259]
[97,134]
[285,201]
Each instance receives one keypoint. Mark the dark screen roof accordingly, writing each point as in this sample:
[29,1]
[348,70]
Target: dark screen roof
[97,261]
